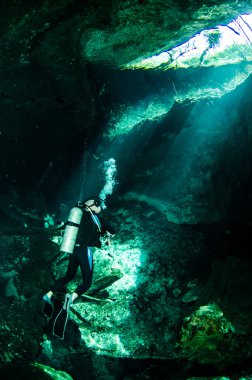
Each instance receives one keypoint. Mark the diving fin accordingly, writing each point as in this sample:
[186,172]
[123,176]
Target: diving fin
[48,307]
[60,322]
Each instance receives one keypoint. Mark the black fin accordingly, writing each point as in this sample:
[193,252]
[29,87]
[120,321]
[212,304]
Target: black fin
[47,309]
[60,322]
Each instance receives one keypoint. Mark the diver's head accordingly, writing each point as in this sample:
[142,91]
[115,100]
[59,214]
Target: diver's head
[93,204]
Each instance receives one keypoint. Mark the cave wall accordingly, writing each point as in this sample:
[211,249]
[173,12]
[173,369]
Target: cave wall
[50,98]
[61,85]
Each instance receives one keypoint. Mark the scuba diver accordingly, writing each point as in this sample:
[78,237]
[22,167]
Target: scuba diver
[82,232]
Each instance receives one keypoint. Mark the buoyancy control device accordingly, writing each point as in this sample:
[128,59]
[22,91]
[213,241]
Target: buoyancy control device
[71,230]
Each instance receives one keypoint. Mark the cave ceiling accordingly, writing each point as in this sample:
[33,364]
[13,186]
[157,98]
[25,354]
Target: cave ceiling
[164,88]
[52,98]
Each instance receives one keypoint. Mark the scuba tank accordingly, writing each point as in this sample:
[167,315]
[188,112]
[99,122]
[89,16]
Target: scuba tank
[71,231]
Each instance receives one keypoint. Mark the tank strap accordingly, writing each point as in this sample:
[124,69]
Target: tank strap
[69,223]
[97,221]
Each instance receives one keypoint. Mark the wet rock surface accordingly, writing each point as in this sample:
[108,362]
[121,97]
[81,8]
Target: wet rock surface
[171,296]
[50,93]
[159,276]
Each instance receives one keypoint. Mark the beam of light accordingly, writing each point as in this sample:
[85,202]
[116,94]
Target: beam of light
[217,85]
[108,326]
[225,44]
[97,177]
[188,193]
[104,343]
[148,109]
[155,107]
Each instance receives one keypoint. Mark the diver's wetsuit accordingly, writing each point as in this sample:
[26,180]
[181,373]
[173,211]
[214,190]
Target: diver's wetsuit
[90,230]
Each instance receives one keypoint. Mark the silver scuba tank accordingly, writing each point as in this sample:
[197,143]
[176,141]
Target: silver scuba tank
[71,231]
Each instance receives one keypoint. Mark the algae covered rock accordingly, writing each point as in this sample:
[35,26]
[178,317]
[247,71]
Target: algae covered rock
[208,337]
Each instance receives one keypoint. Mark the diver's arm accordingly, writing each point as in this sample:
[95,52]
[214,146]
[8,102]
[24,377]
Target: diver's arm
[106,228]
[108,232]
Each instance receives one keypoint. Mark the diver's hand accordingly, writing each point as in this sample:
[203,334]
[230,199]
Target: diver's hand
[109,237]
[69,300]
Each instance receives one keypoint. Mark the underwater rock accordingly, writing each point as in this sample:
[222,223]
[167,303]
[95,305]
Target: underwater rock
[229,284]
[51,372]
[208,337]
[193,292]
[164,277]
[135,307]
[54,104]
[20,336]
[143,29]
[11,290]
[141,272]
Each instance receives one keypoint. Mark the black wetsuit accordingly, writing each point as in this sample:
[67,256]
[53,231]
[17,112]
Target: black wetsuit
[90,231]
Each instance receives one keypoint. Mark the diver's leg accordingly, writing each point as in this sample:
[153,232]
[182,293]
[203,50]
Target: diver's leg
[85,258]
[48,306]
[71,271]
